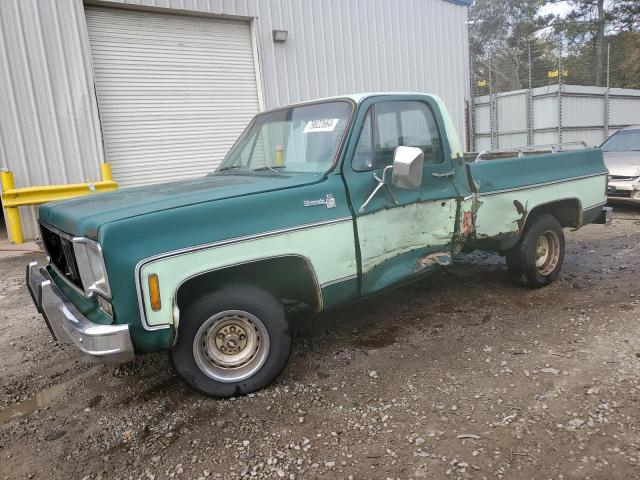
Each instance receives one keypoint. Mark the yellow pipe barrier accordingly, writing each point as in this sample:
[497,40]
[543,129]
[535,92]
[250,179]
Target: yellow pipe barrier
[12,197]
[105,169]
[13,214]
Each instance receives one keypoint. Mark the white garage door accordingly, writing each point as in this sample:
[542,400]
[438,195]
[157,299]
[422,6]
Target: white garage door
[174,91]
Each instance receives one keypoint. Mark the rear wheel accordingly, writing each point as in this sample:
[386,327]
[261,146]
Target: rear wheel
[232,342]
[538,257]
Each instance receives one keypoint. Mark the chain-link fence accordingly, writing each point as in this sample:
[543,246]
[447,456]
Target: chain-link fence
[545,98]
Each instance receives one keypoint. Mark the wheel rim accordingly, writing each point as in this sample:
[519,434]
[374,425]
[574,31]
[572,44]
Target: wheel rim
[231,346]
[547,253]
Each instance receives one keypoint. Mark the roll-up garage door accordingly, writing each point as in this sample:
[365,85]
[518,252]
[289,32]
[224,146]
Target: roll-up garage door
[174,91]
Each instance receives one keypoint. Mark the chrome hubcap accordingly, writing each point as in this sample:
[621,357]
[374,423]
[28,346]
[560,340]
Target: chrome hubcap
[547,252]
[231,346]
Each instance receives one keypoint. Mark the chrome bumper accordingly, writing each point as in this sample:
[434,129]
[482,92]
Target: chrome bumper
[627,201]
[109,344]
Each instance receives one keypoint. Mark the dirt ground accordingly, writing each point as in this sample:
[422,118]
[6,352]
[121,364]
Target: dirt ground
[463,375]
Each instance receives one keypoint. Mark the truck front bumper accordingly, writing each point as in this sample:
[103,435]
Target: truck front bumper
[109,344]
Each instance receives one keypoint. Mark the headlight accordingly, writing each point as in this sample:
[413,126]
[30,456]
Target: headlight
[93,272]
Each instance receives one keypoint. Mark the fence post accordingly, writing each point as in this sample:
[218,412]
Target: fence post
[471,142]
[473,125]
[492,113]
[530,105]
[560,97]
[493,120]
[607,107]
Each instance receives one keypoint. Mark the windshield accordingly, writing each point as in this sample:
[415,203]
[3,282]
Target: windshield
[296,139]
[622,141]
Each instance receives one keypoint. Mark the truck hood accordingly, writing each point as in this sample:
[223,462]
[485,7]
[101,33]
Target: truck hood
[623,164]
[83,216]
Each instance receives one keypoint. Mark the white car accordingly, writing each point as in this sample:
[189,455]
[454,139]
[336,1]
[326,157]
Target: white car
[621,153]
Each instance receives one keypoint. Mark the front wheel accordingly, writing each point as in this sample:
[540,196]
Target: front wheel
[232,342]
[537,258]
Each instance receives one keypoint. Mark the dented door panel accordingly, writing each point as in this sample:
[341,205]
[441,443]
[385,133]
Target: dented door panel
[405,241]
[397,242]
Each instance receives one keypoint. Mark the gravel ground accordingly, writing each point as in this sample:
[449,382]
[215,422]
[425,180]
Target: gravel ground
[463,375]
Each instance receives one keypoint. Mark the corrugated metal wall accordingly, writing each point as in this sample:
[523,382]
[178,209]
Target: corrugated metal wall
[174,91]
[583,116]
[49,125]
[348,46]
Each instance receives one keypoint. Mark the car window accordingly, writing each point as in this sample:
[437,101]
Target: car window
[303,138]
[388,125]
[622,141]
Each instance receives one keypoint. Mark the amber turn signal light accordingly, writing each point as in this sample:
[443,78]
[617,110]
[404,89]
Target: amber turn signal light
[154,292]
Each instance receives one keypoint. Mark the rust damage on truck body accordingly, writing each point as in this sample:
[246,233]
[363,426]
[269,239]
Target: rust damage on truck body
[522,211]
[437,258]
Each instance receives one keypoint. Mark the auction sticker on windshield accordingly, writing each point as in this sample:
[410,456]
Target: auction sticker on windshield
[321,125]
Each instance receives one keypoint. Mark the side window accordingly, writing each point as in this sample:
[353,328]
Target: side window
[388,133]
[392,124]
[419,129]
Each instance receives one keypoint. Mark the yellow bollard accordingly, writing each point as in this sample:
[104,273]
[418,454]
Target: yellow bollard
[105,169]
[279,157]
[13,214]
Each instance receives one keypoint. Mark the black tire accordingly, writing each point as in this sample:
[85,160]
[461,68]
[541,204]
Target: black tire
[521,259]
[252,303]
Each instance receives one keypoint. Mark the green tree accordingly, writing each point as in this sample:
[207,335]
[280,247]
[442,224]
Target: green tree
[625,59]
[585,31]
[501,34]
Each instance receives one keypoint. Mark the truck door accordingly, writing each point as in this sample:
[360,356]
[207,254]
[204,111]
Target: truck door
[401,233]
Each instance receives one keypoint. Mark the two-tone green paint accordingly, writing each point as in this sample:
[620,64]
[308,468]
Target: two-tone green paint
[184,229]
[327,247]
[587,192]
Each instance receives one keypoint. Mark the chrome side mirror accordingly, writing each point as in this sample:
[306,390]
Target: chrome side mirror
[407,168]
[382,182]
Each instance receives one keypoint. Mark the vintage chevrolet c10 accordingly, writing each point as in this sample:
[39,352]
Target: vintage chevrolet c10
[315,205]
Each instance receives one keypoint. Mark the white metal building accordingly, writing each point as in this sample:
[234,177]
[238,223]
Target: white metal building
[161,88]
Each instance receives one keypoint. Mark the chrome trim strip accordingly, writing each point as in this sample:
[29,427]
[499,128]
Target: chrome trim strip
[55,230]
[581,210]
[89,291]
[339,280]
[594,206]
[576,199]
[84,269]
[75,288]
[309,264]
[538,185]
[206,246]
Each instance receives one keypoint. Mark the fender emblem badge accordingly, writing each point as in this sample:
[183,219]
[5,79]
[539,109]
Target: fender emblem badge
[329,201]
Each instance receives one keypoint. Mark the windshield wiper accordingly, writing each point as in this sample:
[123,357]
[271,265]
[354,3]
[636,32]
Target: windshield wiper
[229,167]
[267,167]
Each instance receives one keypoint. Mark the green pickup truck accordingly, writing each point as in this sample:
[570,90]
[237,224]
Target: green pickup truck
[315,205]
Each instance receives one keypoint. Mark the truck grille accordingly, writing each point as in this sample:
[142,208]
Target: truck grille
[61,254]
[620,177]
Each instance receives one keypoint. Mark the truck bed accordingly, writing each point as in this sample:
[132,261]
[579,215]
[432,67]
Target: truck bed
[508,189]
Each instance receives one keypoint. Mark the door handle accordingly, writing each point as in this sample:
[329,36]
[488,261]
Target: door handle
[443,175]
